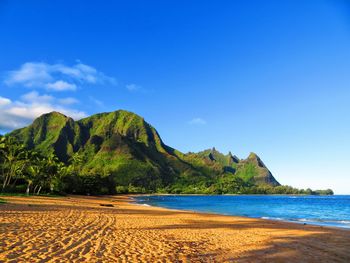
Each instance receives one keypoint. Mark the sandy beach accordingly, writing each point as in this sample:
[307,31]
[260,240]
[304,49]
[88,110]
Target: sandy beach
[111,229]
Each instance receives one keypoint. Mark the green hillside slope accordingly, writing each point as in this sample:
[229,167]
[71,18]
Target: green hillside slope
[122,147]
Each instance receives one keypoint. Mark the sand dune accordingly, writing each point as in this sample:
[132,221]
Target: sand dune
[79,229]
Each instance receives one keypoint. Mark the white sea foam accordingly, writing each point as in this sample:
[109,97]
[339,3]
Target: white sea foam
[272,218]
[304,220]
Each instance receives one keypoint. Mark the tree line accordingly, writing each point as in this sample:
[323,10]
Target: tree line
[31,172]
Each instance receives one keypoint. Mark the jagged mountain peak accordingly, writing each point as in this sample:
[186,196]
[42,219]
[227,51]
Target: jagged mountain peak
[253,157]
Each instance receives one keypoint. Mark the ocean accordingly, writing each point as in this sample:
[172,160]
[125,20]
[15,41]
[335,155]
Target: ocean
[315,210]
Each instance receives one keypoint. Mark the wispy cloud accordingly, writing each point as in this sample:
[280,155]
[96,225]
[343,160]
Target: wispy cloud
[56,77]
[96,101]
[197,121]
[133,87]
[61,85]
[68,101]
[34,97]
[16,114]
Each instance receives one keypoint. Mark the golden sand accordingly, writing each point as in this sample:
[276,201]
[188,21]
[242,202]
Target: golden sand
[79,229]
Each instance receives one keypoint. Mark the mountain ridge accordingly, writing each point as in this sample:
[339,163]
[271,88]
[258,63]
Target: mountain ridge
[123,146]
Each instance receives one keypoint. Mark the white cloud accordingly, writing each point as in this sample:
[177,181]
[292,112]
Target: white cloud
[34,97]
[56,77]
[30,74]
[61,85]
[4,101]
[52,78]
[197,121]
[20,113]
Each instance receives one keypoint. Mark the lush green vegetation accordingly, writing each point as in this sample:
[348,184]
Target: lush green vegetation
[27,171]
[118,152]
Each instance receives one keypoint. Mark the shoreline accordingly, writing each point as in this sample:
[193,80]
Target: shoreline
[308,223]
[113,228]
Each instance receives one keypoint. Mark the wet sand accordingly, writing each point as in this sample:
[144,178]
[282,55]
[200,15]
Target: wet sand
[84,229]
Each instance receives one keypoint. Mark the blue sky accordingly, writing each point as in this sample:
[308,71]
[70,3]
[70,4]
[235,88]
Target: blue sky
[265,76]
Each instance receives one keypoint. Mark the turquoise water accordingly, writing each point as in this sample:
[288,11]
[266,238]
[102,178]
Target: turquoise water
[315,210]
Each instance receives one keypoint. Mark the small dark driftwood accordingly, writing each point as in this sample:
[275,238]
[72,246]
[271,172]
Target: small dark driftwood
[107,205]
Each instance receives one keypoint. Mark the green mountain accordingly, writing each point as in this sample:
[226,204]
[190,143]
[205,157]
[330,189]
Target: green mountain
[124,148]
[251,169]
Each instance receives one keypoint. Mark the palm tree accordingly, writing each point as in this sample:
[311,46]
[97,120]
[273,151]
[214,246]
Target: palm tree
[33,170]
[2,153]
[2,143]
[51,169]
[46,173]
[15,161]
